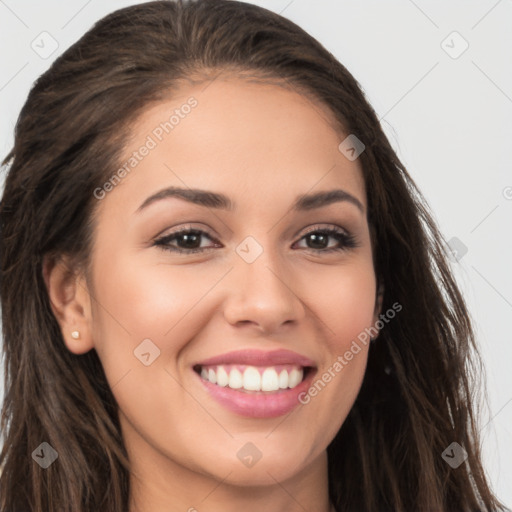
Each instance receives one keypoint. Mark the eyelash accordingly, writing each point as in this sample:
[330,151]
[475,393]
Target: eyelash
[346,240]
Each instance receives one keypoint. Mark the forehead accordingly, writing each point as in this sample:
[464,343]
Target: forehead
[259,141]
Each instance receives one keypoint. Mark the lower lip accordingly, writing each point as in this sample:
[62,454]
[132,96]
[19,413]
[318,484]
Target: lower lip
[258,404]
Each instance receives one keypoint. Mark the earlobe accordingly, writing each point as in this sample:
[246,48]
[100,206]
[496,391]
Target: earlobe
[70,303]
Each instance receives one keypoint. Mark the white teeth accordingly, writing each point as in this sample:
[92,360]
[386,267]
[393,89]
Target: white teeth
[295,378]
[270,381]
[235,379]
[222,377]
[212,376]
[252,379]
[283,379]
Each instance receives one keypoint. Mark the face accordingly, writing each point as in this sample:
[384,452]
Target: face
[259,288]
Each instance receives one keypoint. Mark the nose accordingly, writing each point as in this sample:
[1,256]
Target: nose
[261,294]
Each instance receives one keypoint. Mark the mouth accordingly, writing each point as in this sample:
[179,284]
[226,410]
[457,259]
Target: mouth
[256,383]
[262,380]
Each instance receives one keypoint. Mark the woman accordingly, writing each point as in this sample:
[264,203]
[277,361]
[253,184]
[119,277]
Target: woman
[220,286]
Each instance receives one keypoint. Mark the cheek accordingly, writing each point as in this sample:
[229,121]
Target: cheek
[150,300]
[140,301]
[344,300]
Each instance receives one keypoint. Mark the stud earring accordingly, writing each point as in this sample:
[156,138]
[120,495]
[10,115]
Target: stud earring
[75,335]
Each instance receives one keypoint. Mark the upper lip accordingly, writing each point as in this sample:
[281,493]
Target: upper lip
[259,358]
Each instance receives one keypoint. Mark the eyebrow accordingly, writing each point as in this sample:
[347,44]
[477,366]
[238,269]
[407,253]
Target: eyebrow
[220,201]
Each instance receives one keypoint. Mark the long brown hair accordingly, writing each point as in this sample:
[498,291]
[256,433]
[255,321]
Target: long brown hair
[417,394]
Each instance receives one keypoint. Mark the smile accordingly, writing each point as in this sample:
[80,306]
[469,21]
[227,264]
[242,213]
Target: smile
[253,379]
[284,385]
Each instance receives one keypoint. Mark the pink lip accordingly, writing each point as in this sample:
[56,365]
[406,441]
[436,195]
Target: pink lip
[259,358]
[258,404]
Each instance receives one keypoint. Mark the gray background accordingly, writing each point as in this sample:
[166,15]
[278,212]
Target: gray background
[449,117]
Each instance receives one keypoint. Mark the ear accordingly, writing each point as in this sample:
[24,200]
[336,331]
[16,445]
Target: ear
[70,302]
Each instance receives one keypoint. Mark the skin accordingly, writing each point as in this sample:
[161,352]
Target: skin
[262,145]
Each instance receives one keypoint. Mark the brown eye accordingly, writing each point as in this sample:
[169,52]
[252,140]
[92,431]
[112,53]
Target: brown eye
[184,241]
[319,240]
